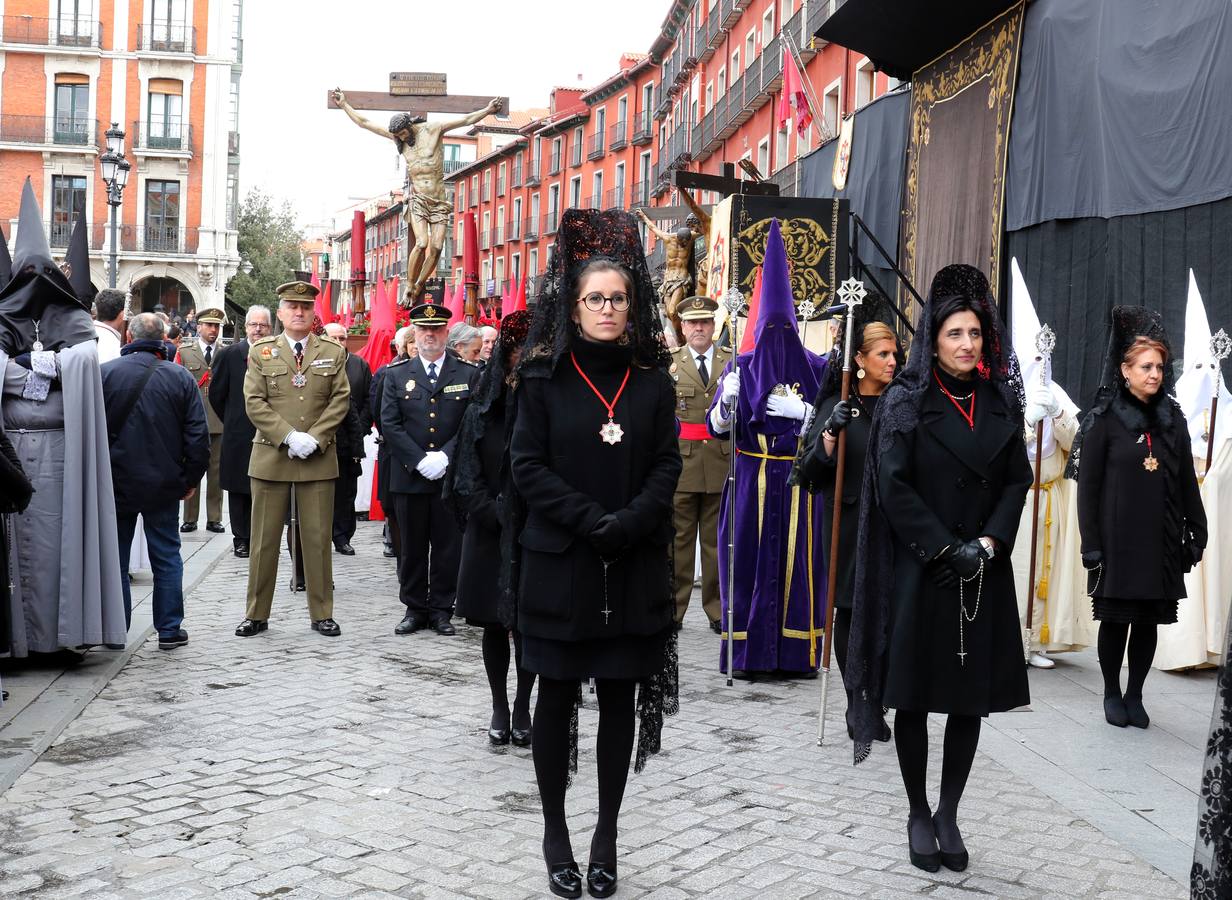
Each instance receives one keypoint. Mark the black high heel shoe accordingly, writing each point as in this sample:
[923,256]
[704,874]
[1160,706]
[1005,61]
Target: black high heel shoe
[496,735]
[564,879]
[929,862]
[520,737]
[955,861]
[601,879]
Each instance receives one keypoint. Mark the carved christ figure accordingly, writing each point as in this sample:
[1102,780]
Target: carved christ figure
[428,210]
[678,256]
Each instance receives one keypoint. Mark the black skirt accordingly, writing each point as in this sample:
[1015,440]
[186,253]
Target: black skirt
[1134,612]
[632,657]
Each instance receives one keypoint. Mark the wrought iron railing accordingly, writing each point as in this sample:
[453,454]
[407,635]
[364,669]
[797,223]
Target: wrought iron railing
[164,134]
[66,31]
[63,130]
[164,37]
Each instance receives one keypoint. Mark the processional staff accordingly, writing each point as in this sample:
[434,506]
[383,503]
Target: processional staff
[734,301]
[1045,343]
[1221,349]
[850,294]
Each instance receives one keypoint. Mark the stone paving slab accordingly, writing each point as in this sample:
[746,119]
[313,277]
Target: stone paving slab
[292,765]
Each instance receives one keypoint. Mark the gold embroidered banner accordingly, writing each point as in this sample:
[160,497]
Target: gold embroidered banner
[954,194]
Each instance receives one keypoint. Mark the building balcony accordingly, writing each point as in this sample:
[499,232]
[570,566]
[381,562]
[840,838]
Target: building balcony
[512,229]
[474,199]
[554,163]
[170,136]
[452,165]
[614,198]
[500,185]
[158,240]
[592,202]
[550,223]
[640,195]
[66,32]
[596,146]
[530,228]
[233,143]
[161,37]
[643,128]
[532,174]
[516,181]
[485,239]
[618,136]
[575,156]
[500,234]
[56,131]
[487,192]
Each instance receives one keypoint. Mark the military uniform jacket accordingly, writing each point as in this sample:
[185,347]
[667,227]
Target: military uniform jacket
[192,358]
[706,461]
[417,418]
[276,407]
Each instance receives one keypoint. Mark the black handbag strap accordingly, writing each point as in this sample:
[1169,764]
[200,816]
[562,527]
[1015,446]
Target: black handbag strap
[116,423]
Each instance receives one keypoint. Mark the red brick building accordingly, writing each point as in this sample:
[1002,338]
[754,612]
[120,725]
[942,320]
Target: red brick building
[706,94]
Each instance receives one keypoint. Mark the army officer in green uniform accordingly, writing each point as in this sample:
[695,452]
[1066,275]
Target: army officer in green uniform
[696,370]
[296,394]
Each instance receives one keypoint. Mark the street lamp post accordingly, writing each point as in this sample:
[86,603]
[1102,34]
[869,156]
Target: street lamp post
[115,175]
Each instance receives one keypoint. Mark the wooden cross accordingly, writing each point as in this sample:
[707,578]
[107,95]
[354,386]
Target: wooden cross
[725,184]
[417,93]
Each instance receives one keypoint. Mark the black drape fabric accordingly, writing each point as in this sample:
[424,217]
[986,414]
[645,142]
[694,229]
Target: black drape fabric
[1078,269]
[1123,107]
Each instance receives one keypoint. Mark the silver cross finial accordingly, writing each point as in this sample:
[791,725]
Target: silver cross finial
[1221,345]
[733,300]
[1045,341]
[852,292]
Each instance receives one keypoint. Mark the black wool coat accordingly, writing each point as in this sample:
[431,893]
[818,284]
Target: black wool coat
[349,439]
[1136,518]
[939,484]
[227,400]
[417,418]
[569,479]
[479,573]
[820,471]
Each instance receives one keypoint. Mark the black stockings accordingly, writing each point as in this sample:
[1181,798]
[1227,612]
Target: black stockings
[496,662]
[842,633]
[962,736]
[553,713]
[1113,636]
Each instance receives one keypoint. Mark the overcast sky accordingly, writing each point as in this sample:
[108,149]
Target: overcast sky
[295,148]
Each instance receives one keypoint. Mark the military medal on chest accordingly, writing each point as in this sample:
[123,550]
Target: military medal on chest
[611,432]
[299,379]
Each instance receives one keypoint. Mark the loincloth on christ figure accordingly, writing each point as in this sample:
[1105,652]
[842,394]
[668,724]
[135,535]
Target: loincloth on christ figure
[671,285]
[433,210]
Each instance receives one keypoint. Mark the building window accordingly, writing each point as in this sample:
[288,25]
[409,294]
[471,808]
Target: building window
[864,83]
[75,24]
[575,192]
[709,96]
[735,64]
[750,47]
[516,224]
[622,110]
[164,114]
[647,98]
[721,83]
[533,262]
[167,25]
[832,105]
[618,189]
[162,215]
[767,26]
[763,156]
[72,118]
[780,148]
[596,191]
[68,203]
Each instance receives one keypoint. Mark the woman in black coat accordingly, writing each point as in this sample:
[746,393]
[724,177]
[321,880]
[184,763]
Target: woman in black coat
[474,486]
[947,476]
[1139,509]
[595,461]
[875,359]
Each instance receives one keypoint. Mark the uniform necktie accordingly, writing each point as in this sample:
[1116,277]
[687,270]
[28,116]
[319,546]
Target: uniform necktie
[209,355]
[701,369]
[432,371]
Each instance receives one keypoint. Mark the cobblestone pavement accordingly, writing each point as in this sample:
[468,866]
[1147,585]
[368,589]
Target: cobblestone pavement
[291,765]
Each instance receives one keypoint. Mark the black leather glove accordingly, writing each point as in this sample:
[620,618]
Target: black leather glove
[840,418]
[942,575]
[608,537]
[1092,558]
[965,558]
[1193,553]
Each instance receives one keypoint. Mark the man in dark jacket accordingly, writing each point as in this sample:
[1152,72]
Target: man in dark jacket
[160,448]
[400,346]
[227,399]
[350,444]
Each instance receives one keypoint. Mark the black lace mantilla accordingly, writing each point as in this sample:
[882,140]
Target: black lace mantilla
[898,412]
[1211,875]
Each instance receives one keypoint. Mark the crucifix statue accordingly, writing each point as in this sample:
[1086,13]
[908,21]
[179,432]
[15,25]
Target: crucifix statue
[420,142]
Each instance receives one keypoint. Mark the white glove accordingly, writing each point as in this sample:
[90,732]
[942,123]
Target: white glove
[731,389]
[433,465]
[300,445]
[1042,404]
[786,406]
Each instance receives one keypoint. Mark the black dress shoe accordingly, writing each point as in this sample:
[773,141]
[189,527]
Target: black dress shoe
[443,626]
[716,626]
[498,736]
[956,860]
[929,862]
[388,552]
[299,587]
[188,526]
[345,549]
[241,549]
[564,879]
[327,627]
[601,879]
[215,527]
[249,627]
[410,624]
[520,737]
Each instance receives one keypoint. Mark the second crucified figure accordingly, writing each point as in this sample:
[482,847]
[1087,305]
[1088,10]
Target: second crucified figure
[428,210]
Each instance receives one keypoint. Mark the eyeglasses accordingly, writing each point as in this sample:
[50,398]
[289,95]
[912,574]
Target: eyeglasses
[594,302]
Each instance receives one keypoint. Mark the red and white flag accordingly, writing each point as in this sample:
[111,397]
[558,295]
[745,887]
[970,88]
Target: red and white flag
[793,102]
